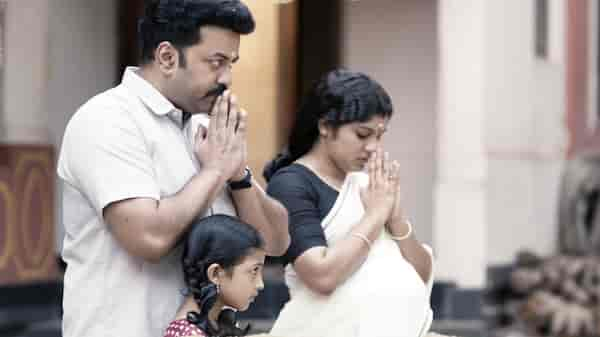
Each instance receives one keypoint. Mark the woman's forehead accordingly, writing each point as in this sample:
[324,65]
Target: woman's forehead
[375,122]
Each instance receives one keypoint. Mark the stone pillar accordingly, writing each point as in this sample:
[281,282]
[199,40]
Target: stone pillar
[501,137]
[460,203]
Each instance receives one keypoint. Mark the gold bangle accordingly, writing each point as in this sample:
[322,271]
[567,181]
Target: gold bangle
[363,238]
[405,236]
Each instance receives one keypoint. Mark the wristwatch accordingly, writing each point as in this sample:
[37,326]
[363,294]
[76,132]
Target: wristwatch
[245,182]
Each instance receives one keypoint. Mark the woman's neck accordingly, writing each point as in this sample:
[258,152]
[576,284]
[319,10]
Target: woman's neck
[324,167]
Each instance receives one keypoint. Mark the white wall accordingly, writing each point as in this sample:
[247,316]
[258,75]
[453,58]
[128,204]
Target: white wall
[82,61]
[82,56]
[395,42]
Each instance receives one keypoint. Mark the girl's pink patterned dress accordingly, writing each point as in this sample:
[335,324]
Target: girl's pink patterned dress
[182,328]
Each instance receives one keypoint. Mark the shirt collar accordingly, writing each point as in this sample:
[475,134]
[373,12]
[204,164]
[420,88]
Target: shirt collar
[151,97]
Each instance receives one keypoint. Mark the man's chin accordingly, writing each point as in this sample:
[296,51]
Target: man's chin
[209,103]
[205,105]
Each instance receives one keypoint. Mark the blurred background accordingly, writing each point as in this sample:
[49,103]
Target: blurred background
[495,126]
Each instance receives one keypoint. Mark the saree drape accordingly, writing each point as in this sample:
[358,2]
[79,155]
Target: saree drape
[385,297]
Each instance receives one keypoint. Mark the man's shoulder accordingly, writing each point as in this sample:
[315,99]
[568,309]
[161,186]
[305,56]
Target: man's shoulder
[111,105]
[115,97]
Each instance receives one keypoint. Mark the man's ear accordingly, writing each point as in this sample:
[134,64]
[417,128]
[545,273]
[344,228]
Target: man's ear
[167,57]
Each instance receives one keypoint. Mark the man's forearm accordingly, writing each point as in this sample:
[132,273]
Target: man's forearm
[265,214]
[192,200]
[151,228]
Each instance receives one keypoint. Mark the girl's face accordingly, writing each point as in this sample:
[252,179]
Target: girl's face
[350,146]
[241,287]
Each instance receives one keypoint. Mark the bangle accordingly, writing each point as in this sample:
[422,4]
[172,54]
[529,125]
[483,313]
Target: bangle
[405,236]
[363,238]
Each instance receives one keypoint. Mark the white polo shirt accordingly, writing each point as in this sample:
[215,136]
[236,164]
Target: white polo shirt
[126,142]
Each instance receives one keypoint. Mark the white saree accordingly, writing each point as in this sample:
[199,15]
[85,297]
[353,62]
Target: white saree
[385,297]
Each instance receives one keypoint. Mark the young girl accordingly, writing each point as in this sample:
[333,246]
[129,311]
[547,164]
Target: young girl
[223,260]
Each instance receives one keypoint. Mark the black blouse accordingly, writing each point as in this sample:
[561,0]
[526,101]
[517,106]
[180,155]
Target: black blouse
[308,199]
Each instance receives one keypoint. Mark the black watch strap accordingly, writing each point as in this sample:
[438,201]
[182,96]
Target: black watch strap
[246,182]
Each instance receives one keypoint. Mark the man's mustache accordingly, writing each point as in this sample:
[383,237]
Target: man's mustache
[216,91]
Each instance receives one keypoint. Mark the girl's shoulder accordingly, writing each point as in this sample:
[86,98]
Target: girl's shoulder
[183,328]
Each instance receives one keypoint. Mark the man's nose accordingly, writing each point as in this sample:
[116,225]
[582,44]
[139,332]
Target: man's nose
[226,77]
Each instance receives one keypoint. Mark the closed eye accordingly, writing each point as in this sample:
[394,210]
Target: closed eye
[218,63]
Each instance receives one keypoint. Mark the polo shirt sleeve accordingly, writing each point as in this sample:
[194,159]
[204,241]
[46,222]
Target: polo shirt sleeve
[105,157]
[295,193]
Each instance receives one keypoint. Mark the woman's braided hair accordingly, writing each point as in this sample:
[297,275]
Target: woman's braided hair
[223,240]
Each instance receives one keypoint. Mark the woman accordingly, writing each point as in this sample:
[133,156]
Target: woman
[354,267]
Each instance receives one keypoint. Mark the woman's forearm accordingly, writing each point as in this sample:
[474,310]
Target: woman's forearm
[412,250]
[323,269]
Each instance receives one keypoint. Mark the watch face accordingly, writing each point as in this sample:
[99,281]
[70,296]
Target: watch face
[246,182]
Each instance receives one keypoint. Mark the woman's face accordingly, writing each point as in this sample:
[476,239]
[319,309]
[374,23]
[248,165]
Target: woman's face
[350,146]
[241,287]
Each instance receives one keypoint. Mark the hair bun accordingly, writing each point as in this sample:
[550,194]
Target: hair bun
[282,159]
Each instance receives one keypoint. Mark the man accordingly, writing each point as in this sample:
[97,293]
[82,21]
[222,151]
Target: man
[131,183]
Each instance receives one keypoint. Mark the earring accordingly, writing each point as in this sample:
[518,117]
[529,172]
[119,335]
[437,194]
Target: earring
[218,289]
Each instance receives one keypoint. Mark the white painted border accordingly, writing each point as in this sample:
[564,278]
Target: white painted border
[592,87]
